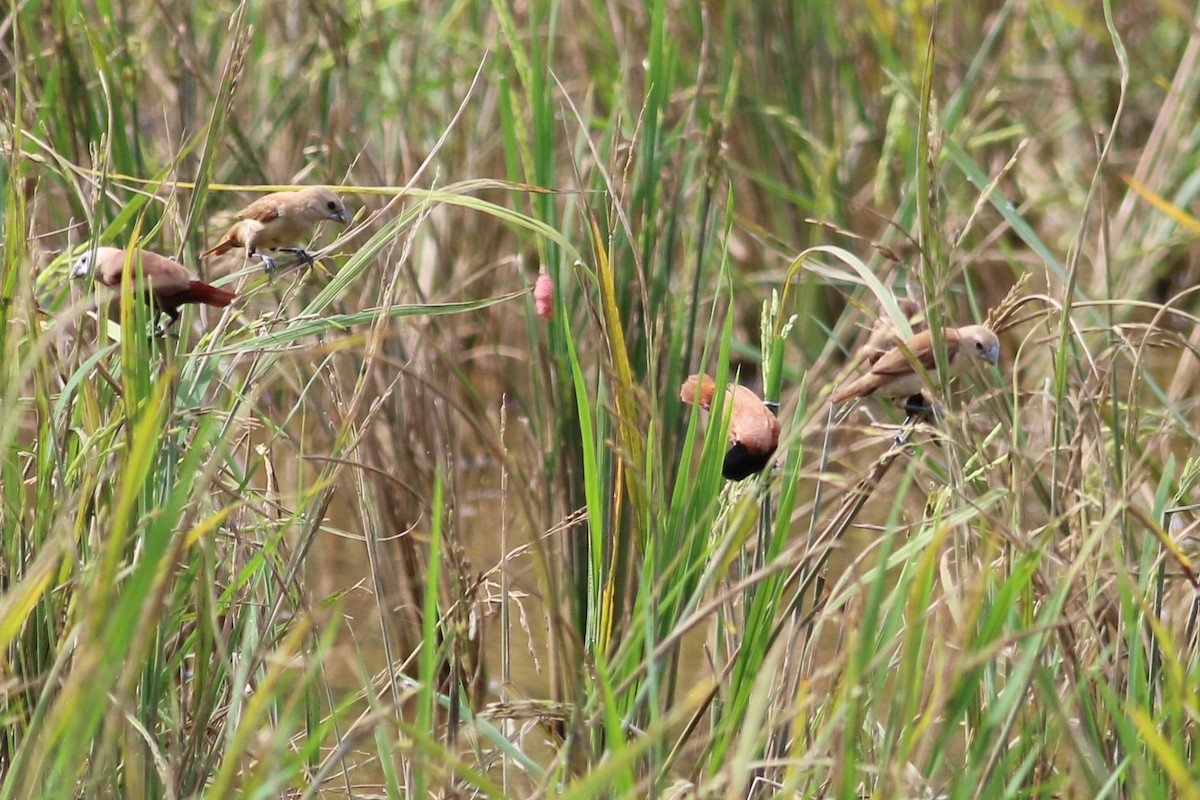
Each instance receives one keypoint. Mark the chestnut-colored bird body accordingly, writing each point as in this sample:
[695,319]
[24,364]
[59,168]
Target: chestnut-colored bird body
[753,428]
[893,375]
[169,284]
[279,221]
[884,334]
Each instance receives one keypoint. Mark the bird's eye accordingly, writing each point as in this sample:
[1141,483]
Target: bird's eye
[979,346]
[331,205]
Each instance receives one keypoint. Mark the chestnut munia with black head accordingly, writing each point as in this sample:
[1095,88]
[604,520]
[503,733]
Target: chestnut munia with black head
[753,427]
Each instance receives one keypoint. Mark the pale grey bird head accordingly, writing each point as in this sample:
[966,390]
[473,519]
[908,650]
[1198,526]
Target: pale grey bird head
[980,342]
[83,265]
[321,203]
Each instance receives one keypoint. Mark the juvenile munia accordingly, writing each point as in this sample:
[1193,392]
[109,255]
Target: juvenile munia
[893,375]
[753,428]
[278,222]
[170,284]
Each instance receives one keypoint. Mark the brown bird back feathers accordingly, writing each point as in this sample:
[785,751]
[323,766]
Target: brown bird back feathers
[892,375]
[753,428]
[279,219]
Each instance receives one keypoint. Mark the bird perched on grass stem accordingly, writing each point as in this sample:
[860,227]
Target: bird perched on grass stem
[278,222]
[753,428]
[169,284]
[893,374]
[885,335]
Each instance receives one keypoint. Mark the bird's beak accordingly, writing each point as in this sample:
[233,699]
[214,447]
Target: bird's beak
[78,271]
[993,355]
[342,216]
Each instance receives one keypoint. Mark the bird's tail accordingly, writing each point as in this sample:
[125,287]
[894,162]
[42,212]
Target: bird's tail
[698,384]
[860,387]
[201,292]
[842,395]
[226,243]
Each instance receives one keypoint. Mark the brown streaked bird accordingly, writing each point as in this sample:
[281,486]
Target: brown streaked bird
[893,374]
[884,335]
[171,285]
[753,428]
[278,221]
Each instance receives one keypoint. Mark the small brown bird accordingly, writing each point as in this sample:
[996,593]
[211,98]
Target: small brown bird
[753,428]
[884,335]
[278,221]
[893,374]
[171,285]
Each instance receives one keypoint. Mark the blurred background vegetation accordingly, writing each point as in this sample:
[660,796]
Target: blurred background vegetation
[383,530]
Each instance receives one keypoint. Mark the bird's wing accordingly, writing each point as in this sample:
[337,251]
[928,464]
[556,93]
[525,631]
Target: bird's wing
[895,361]
[752,423]
[264,209]
[164,274]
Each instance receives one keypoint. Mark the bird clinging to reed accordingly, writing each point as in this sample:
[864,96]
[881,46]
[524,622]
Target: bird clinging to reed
[753,428]
[893,374]
[278,222]
[169,284]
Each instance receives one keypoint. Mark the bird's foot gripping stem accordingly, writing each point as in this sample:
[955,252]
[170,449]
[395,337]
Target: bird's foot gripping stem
[300,253]
[917,410]
[268,263]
